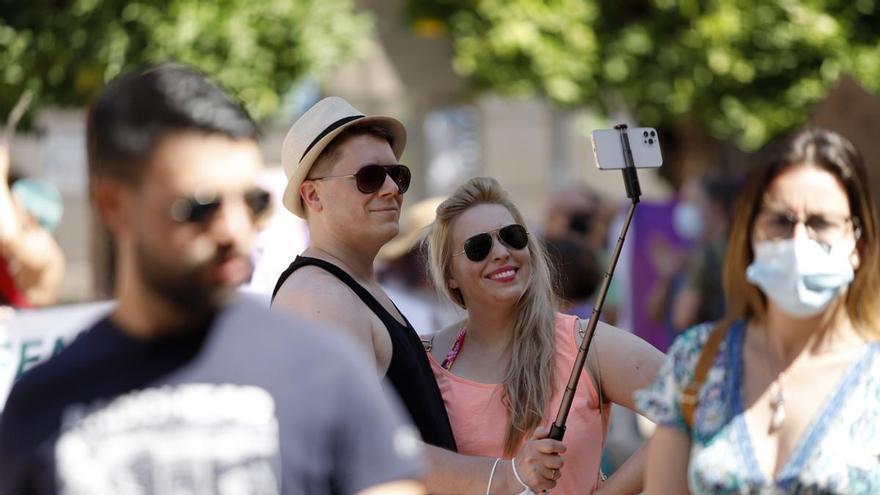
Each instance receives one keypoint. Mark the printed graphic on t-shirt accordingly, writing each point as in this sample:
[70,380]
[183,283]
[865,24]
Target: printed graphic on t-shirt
[185,439]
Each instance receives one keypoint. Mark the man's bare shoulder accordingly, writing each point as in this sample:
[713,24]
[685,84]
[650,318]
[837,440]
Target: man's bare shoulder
[317,294]
[310,279]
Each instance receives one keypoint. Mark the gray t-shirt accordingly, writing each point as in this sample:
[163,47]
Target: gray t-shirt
[252,403]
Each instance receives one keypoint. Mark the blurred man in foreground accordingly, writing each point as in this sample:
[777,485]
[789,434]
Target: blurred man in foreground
[181,389]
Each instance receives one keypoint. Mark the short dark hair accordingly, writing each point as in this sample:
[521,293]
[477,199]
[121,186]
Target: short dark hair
[575,267]
[330,154]
[138,108]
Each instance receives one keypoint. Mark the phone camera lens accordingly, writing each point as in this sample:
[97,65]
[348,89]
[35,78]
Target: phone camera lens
[653,134]
[651,141]
[645,133]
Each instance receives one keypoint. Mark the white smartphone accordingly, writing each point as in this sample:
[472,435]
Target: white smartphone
[643,142]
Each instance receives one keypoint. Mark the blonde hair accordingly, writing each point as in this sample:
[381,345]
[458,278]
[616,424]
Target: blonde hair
[835,154]
[531,373]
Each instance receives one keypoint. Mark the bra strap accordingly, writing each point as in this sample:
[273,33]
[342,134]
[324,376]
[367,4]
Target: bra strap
[453,352]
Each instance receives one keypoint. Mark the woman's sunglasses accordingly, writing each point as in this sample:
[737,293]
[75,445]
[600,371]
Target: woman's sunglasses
[201,207]
[370,178]
[477,247]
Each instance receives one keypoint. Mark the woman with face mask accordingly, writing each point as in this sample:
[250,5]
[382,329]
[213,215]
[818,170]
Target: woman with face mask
[503,369]
[782,395]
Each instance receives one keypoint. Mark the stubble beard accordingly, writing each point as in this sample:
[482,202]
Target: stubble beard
[183,286]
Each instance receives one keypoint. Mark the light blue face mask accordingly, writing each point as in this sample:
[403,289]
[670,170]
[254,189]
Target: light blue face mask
[800,275]
[687,221]
[41,200]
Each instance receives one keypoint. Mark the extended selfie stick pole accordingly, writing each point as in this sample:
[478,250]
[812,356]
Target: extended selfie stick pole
[633,191]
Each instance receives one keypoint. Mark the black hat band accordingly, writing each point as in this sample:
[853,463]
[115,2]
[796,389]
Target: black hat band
[330,128]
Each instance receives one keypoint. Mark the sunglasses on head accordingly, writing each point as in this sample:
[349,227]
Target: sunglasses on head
[370,178]
[202,206]
[477,247]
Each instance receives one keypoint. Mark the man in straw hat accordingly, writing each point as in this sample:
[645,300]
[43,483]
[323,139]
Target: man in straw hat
[182,389]
[345,180]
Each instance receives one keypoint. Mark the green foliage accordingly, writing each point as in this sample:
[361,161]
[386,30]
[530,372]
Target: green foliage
[746,69]
[66,50]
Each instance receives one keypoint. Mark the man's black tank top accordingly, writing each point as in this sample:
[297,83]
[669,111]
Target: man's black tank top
[409,371]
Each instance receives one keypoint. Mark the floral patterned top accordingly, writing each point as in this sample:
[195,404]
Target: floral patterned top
[839,452]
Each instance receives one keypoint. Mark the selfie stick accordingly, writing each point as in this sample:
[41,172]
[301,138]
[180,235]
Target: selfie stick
[633,191]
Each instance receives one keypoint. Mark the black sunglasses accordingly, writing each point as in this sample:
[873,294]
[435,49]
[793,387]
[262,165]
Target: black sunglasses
[370,178]
[201,207]
[477,247]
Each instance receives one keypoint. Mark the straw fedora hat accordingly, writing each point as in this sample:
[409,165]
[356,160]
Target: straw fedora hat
[314,130]
[413,227]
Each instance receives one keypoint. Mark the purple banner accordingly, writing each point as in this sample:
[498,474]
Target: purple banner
[656,256]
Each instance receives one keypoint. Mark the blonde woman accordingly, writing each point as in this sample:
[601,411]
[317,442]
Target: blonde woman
[783,396]
[502,370]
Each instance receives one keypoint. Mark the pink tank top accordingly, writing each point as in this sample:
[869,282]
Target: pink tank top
[479,419]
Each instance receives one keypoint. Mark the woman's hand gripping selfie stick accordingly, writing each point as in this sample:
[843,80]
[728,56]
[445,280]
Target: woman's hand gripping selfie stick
[633,191]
